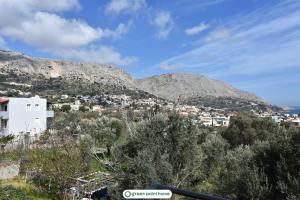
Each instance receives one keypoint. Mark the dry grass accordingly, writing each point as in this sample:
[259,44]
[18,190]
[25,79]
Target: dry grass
[30,189]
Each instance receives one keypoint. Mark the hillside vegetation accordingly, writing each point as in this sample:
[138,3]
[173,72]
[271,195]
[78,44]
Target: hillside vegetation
[253,158]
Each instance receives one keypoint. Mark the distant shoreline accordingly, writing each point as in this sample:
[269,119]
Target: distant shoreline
[294,110]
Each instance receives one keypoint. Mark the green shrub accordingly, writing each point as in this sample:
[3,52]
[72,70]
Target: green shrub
[12,193]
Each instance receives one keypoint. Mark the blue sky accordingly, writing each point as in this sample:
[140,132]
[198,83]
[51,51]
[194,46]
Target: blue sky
[253,45]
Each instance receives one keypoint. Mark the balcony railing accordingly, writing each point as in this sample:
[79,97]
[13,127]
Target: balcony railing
[186,193]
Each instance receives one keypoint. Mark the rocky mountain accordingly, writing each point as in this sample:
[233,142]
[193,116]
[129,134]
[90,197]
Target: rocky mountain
[21,64]
[184,86]
[25,74]
[46,76]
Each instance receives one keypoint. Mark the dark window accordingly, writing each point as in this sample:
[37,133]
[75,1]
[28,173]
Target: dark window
[3,107]
[3,123]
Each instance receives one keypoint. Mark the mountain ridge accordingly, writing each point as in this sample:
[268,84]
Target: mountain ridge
[18,67]
[178,86]
[52,68]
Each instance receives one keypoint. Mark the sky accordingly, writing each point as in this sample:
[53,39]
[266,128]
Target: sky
[253,45]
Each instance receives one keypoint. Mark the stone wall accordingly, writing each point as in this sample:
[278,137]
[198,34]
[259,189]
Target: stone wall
[9,170]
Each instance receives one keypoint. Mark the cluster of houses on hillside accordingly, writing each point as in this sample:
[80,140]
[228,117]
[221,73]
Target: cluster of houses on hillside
[206,116]
[29,115]
[287,118]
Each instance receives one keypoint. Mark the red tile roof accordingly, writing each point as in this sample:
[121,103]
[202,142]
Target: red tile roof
[3,100]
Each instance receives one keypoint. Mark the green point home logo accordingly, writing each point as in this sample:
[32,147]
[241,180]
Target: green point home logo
[147,194]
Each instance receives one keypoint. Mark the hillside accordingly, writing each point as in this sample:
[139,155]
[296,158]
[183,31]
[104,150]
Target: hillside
[21,64]
[231,104]
[23,74]
[184,86]
[45,77]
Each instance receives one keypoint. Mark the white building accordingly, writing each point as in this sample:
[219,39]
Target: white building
[219,121]
[23,116]
[277,119]
[296,122]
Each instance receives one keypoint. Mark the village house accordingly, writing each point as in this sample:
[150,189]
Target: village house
[23,116]
[218,121]
[296,122]
[206,121]
[221,121]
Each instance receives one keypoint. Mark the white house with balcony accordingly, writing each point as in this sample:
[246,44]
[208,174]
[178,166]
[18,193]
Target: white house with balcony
[23,116]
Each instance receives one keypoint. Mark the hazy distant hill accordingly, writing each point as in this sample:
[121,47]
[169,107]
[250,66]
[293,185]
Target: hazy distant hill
[184,86]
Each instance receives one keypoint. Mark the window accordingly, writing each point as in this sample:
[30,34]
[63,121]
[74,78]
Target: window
[3,123]
[3,107]
[28,107]
[37,107]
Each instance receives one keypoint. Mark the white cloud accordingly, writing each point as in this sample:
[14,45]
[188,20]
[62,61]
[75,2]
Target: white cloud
[197,5]
[45,5]
[164,23]
[218,34]
[196,29]
[14,11]
[172,66]
[102,54]
[39,24]
[118,32]
[30,23]
[264,41]
[49,31]
[124,6]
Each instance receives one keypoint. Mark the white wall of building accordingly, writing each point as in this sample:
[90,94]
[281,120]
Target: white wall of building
[26,115]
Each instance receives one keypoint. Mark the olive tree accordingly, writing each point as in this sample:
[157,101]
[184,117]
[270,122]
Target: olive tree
[163,150]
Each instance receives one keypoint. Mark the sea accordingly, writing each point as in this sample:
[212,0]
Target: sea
[294,110]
